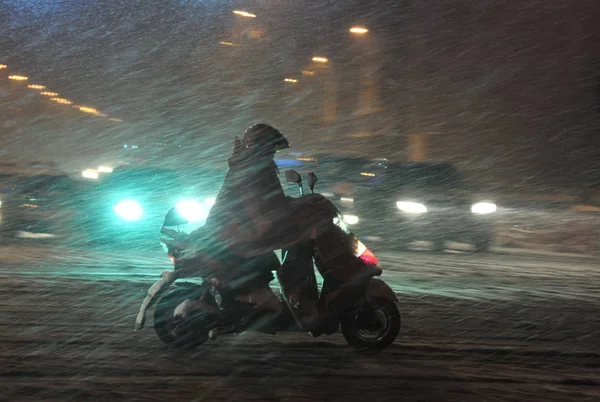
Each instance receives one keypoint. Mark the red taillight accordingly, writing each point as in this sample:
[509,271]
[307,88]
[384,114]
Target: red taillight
[172,258]
[369,258]
[365,254]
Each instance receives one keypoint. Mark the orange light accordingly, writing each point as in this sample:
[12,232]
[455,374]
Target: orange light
[320,59]
[226,43]
[308,72]
[292,80]
[62,101]
[3,66]
[90,110]
[18,77]
[244,14]
[49,93]
[32,86]
[367,174]
[359,30]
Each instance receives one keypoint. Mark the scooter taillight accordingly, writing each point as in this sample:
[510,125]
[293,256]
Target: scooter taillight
[365,254]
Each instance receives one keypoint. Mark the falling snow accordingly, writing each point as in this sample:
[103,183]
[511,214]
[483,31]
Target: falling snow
[146,98]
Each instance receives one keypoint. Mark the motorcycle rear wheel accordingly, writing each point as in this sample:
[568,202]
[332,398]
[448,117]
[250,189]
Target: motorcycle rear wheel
[372,329]
[177,332]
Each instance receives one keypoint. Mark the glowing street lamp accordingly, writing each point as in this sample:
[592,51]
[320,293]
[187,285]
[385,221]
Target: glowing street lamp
[32,86]
[3,66]
[90,110]
[45,93]
[319,59]
[358,30]
[244,14]
[227,43]
[62,101]
[291,80]
[18,77]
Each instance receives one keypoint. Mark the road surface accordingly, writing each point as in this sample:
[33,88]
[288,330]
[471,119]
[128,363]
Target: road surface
[495,328]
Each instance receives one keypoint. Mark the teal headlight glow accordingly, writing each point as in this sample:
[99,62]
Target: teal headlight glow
[192,210]
[129,210]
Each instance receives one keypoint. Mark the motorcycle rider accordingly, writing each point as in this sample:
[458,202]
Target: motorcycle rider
[253,217]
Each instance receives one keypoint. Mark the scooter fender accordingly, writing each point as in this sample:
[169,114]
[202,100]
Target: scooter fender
[154,293]
[378,291]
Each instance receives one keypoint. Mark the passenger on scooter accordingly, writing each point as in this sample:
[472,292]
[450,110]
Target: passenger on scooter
[252,216]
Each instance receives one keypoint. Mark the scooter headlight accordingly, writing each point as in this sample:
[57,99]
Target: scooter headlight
[351,219]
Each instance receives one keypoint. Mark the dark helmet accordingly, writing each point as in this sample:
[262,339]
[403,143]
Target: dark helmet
[264,139]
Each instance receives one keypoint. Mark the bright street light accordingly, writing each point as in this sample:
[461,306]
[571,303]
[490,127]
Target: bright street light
[62,101]
[49,93]
[227,43]
[90,110]
[32,86]
[358,30]
[18,77]
[319,59]
[244,14]
[292,80]
[3,66]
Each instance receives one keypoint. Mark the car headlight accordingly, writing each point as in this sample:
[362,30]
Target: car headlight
[129,210]
[351,219]
[192,210]
[411,207]
[482,208]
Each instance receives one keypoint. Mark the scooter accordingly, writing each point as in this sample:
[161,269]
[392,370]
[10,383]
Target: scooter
[351,299]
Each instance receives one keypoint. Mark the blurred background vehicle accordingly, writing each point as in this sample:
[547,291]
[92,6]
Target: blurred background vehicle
[39,206]
[127,206]
[399,203]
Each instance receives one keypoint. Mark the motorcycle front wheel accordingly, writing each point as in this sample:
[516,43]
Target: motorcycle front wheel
[176,331]
[366,328]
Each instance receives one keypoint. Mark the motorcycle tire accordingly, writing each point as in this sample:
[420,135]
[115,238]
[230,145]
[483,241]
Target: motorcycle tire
[354,322]
[181,333]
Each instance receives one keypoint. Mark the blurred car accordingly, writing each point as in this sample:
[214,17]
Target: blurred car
[414,201]
[38,206]
[128,205]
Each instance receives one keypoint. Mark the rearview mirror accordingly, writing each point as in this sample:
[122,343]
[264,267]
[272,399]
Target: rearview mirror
[293,177]
[174,218]
[312,180]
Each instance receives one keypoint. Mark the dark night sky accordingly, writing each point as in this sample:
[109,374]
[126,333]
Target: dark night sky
[512,85]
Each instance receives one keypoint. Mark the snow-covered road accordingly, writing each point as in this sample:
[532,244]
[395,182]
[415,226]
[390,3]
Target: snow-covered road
[494,327]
